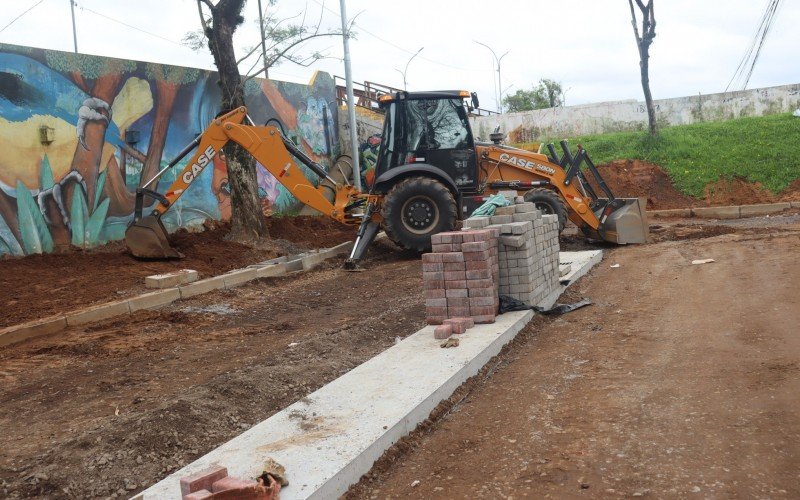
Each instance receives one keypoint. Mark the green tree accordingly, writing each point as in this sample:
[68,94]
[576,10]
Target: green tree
[547,94]
[219,20]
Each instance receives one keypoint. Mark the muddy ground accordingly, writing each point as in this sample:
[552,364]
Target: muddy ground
[108,409]
[37,286]
[681,381]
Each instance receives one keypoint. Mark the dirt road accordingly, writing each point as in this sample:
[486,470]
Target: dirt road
[109,409]
[681,381]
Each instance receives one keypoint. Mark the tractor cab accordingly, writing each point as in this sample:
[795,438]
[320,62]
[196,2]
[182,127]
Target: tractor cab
[428,131]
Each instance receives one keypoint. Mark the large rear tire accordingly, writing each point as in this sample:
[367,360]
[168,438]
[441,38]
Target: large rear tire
[417,208]
[549,203]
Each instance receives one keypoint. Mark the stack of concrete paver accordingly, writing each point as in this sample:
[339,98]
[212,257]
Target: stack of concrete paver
[527,250]
[461,277]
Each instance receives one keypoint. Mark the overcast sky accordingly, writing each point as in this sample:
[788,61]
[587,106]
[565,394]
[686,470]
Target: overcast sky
[587,45]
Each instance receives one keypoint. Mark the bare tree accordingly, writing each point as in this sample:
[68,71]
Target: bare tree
[643,42]
[219,21]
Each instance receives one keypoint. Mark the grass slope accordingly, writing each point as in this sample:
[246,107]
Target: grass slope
[762,149]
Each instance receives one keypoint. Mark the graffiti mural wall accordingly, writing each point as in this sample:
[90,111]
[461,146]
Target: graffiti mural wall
[80,133]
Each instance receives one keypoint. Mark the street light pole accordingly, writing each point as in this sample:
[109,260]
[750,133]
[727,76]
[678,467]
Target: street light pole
[497,60]
[405,86]
[351,103]
[74,31]
[263,36]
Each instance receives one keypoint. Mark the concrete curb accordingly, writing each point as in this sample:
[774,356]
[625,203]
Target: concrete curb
[332,437]
[151,300]
[727,212]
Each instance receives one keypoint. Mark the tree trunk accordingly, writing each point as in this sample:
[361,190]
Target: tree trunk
[247,220]
[644,65]
[165,100]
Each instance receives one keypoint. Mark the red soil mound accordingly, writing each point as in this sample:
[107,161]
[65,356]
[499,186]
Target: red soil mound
[42,285]
[638,179]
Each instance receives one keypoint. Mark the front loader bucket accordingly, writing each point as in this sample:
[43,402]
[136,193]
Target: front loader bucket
[627,223]
[147,239]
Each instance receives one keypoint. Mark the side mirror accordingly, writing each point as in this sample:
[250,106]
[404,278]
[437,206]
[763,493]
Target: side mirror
[475,103]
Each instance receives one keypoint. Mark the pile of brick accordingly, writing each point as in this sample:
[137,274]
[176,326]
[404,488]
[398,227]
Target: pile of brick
[527,250]
[214,483]
[461,278]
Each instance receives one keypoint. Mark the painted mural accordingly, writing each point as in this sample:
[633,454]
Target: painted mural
[80,133]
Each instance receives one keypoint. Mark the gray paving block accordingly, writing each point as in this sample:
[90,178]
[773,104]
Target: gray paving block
[500,219]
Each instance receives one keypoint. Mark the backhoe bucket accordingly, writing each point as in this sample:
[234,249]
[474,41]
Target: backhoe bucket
[626,224]
[147,239]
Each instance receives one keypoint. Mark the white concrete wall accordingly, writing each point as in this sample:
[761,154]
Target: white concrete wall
[616,116]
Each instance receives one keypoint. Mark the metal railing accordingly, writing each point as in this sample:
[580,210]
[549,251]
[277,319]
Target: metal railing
[367,94]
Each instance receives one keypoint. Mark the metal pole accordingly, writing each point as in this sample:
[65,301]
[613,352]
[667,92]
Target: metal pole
[263,43]
[500,82]
[351,103]
[74,31]
[405,86]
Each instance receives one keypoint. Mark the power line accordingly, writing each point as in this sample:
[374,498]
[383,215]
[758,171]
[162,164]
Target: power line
[754,50]
[19,16]
[398,47]
[129,25]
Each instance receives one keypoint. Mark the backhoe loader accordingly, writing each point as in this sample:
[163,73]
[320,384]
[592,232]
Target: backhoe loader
[430,173]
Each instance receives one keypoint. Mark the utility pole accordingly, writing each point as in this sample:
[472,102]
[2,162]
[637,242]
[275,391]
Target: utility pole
[405,85]
[497,60]
[74,31]
[351,103]
[263,43]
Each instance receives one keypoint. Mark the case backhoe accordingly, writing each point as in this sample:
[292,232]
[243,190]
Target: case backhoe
[430,173]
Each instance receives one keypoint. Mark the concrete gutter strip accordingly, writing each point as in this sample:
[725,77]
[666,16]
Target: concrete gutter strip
[727,212]
[150,300]
[331,438]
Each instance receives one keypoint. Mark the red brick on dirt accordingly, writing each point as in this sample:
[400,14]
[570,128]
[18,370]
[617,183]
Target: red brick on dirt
[203,480]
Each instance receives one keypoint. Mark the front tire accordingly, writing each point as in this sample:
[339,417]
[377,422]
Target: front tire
[549,202]
[417,208]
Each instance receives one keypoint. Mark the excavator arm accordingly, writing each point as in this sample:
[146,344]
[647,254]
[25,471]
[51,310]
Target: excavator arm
[146,237]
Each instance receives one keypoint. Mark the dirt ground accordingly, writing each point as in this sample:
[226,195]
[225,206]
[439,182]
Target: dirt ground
[681,381]
[639,179]
[108,409]
[37,286]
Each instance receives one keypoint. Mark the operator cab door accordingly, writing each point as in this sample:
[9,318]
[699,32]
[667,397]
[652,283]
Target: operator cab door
[432,131]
